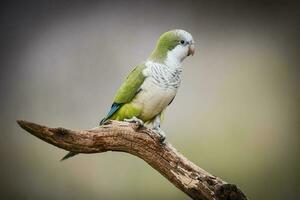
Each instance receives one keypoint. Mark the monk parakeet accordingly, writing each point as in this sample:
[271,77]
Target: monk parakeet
[151,86]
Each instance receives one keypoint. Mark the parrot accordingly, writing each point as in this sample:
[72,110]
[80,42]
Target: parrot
[152,85]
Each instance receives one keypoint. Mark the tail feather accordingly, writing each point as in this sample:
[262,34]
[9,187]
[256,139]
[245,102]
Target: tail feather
[69,155]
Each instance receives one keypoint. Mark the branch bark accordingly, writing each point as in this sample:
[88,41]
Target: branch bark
[141,142]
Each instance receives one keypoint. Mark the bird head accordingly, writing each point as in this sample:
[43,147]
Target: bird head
[174,45]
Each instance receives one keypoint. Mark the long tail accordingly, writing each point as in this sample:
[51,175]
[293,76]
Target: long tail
[69,155]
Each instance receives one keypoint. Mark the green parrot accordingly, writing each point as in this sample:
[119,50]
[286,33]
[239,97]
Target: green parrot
[151,86]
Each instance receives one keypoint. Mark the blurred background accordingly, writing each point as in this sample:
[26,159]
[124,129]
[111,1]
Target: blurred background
[236,114]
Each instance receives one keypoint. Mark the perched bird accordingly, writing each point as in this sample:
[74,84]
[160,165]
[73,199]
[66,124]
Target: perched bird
[151,86]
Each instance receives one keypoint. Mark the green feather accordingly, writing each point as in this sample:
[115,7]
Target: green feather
[167,41]
[127,111]
[121,107]
[131,85]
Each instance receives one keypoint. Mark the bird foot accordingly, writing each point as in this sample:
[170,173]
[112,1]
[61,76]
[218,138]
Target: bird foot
[161,134]
[135,120]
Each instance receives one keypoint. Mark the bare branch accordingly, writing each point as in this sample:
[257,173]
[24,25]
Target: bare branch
[141,142]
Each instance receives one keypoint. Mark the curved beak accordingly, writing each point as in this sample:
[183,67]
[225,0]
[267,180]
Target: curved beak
[191,50]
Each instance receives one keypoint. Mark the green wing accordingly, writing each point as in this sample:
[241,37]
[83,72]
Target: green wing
[127,91]
[131,85]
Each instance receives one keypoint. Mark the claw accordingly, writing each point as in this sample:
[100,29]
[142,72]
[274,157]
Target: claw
[136,120]
[161,134]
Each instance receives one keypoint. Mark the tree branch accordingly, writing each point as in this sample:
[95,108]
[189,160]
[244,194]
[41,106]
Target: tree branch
[141,142]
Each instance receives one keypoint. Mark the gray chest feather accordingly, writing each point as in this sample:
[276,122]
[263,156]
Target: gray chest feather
[157,91]
[165,77]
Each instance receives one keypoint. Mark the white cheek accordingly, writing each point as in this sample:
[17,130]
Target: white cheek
[180,52]
[177,55]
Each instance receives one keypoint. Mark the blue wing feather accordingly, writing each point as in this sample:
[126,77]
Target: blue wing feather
[114,108]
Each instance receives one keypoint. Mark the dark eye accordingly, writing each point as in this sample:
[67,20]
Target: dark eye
[182,42]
